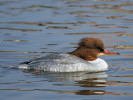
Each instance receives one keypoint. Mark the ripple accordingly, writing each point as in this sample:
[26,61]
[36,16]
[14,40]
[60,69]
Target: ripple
[35,6]
[43,48]
[52,44]
[125,35]
[103,25]
[116,41]
[24,52]
[80,92]
[85,22]
[128,20]
[124,76]
[23,30]
[125,69]
[110,26]
[122,47]
[50,23]
[119,11]
[95,33]
[28,23]
[114,17]
[43,23]
[58,27]
[68,47]
[17,40]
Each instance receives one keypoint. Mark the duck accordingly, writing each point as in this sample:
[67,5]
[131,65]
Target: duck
[83,58]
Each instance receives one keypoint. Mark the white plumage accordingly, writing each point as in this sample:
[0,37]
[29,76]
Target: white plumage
[63,62]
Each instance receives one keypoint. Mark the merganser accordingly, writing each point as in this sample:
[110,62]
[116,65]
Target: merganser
[84,58]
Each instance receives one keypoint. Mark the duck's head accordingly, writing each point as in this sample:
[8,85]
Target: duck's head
[90,48]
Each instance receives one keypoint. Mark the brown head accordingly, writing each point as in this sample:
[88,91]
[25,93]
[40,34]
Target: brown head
[89,49]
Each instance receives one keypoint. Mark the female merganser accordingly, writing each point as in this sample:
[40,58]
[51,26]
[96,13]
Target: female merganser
[84,58]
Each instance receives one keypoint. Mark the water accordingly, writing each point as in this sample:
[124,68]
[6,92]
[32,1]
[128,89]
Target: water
[34,28]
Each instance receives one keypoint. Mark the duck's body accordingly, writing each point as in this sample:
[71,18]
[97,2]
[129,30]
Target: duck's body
[64,62]
[84,58]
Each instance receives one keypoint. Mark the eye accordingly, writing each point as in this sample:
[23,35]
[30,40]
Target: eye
[101,50]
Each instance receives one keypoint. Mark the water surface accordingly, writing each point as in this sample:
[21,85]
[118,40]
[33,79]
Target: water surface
[35,28]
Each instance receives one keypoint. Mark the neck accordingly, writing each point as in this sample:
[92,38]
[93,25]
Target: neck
[85,53]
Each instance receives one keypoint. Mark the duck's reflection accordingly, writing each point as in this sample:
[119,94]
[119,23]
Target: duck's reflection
[81,79]
[78,77]
[88,92]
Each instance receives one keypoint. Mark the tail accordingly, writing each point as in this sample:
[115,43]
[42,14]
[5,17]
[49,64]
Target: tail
[20,66]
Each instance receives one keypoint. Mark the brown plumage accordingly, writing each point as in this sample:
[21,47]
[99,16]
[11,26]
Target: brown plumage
[89,48]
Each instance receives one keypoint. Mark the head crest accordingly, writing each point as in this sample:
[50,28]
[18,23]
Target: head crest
[92,43]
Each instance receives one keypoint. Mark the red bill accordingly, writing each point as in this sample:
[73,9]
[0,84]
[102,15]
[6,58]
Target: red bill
[110,52]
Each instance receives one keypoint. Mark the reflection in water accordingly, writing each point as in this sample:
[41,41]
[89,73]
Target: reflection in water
[82,79]
[97,92]
[89,92]
[75,76]
[91,82]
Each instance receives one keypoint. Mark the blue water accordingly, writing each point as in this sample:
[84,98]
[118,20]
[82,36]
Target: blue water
[35,28]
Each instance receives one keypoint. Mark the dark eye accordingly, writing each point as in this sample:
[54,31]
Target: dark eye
[101,50]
